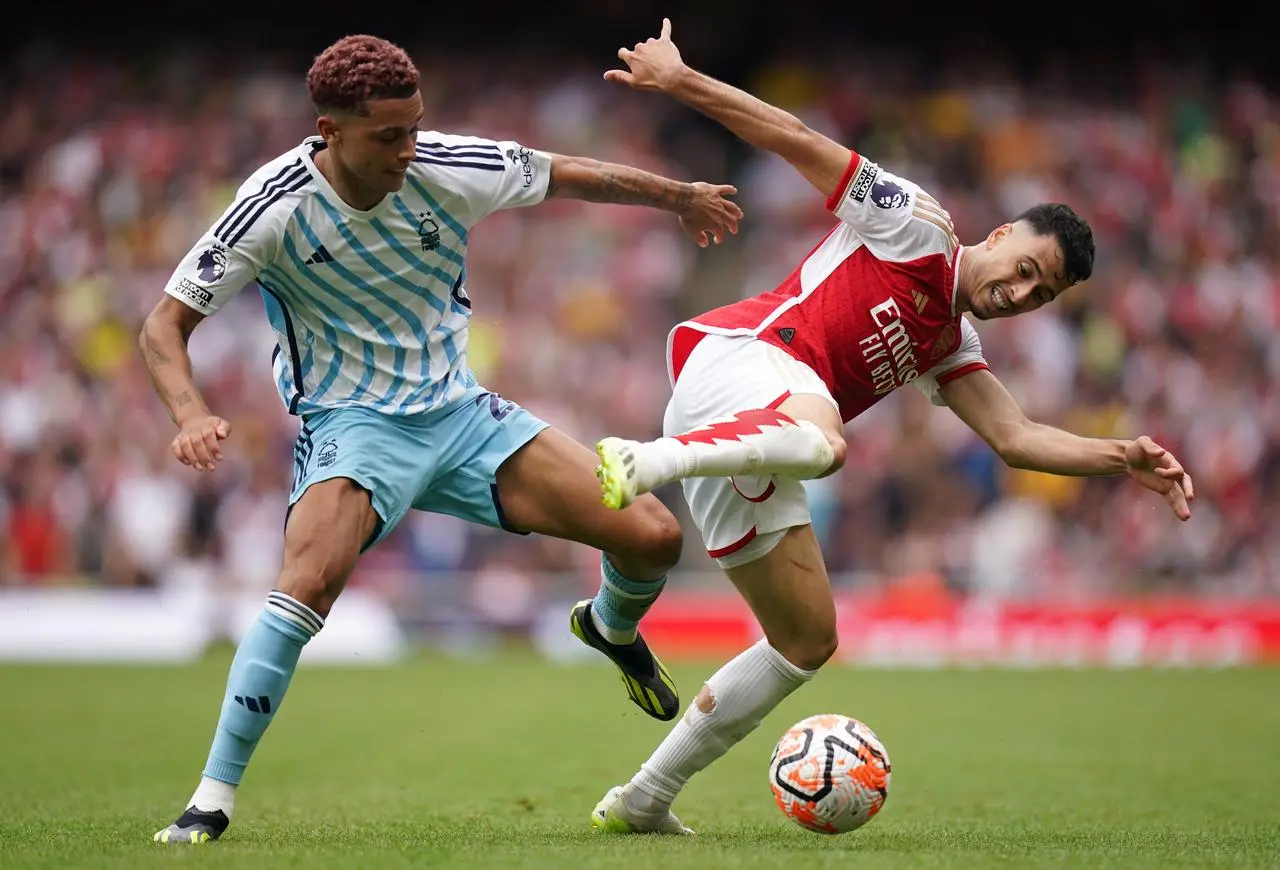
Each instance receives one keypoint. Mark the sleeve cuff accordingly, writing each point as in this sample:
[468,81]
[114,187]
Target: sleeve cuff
[960,372]
[838,194]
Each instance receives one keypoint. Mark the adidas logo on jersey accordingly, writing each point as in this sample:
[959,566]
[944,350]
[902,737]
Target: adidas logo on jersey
[921,301]
[320,256]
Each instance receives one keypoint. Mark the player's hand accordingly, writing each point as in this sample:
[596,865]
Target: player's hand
[197,443]
[709,214]
[653,65]
[1159,471]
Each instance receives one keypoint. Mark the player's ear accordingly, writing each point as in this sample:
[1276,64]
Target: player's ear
[998,234]
[328,128]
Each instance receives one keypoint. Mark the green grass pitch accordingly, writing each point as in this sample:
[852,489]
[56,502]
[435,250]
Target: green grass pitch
[497,763]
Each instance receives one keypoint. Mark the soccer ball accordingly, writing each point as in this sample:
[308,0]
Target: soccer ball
[829,774]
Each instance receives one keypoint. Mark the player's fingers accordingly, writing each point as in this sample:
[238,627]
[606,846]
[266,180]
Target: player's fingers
[209,437]
[1172,473]
[624,54]
[200,450]
[618,75]
[175,447]
[223,429]
[204,457]
[190,456]
[1177,500]
[666,29]
[726,189]
[1187,487]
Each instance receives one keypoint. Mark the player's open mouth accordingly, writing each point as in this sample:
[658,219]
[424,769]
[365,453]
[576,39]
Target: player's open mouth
[999,299]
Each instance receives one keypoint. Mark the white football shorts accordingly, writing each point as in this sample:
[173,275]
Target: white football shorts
[741,518]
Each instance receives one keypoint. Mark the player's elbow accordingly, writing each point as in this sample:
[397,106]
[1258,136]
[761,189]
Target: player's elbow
[153,340]
[1014,445]
[800,137]
[154,330]
[168,320]
[151,331]
[798,143]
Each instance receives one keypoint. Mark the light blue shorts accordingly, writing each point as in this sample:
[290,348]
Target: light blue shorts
[443,461]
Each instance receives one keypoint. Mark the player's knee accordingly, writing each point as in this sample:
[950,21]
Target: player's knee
[659,539]
[315,570]
[323,538]
[315,591]
[839,448]
[811,650]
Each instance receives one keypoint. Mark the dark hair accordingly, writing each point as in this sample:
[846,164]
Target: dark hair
[357,69]
[1074,236]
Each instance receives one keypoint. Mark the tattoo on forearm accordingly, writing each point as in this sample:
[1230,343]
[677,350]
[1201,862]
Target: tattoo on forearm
[181,399]
[623,185]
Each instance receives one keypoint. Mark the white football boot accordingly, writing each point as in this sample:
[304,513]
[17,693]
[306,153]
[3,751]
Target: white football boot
[616,815]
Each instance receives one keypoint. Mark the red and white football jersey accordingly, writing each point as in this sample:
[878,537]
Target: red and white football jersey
[872,307]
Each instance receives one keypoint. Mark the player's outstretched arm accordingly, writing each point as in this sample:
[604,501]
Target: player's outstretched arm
[163,341]
[656,65]
[704,209]
[983,403]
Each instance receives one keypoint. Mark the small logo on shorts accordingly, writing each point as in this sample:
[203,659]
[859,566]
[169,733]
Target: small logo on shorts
[327,454]
[498,406]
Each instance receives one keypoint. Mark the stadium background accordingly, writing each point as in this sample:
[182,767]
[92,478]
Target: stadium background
[122,136]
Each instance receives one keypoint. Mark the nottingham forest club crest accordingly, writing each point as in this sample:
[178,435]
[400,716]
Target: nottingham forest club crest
[428,231]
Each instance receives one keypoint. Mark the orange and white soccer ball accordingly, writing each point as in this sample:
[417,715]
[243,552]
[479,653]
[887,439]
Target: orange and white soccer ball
[830,774]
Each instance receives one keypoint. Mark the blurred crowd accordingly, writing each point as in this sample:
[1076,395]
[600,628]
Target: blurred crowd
[110,171]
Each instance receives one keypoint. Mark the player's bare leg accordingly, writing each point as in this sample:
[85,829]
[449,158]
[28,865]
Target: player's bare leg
[549,487]
[790,594]
[801,438]
[327,528]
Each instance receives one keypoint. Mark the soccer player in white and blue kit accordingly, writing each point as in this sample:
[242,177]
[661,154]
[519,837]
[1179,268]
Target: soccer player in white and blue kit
[357,240]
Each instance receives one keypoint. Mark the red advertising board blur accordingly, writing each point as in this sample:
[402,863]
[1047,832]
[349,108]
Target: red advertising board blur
[939,630]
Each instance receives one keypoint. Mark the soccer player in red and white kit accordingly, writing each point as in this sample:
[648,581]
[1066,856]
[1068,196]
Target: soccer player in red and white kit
[761,389]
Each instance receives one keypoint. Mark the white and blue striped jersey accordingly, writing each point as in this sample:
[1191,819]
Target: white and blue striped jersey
[369,307]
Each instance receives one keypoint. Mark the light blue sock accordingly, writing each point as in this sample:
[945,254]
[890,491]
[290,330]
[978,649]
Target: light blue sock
[259,676]
[621,602]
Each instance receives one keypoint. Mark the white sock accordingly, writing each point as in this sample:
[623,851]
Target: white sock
[757,442]
[212,795]
[743,692]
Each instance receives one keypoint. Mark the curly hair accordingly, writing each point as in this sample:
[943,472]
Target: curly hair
[1073,233]
[357,69]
